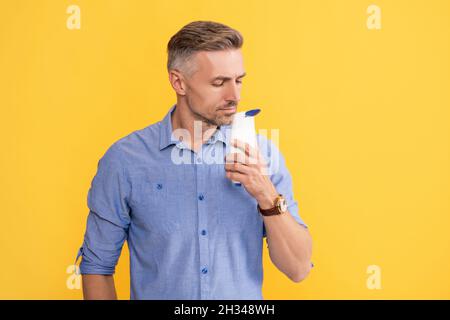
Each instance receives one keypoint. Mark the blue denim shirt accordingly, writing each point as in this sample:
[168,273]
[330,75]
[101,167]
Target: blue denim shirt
[192,233]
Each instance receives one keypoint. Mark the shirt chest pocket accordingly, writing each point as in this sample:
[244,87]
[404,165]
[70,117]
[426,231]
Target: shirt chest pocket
[238,211]
[157,200]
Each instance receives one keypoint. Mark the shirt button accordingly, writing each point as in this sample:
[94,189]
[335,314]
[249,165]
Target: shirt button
[201,197]
[205,270]
[203,232]
[159,186]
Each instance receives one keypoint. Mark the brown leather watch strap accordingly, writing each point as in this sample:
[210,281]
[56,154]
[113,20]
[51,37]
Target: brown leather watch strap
[275,210]
[269,212]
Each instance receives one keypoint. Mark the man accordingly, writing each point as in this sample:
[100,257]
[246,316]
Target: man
[193,233]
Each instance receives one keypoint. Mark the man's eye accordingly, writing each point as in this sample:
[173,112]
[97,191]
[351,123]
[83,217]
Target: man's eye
[218,84]
[240,82]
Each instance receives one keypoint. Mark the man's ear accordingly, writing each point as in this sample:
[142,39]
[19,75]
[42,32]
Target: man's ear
[177,81]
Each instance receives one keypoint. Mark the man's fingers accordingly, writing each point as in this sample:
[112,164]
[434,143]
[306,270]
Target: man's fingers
[236,176]
[241,158]
[246,148]
[238,167]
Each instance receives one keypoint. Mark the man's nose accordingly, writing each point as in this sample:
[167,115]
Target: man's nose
[233,92]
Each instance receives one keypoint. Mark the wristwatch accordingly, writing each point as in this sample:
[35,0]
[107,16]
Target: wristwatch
[280,206]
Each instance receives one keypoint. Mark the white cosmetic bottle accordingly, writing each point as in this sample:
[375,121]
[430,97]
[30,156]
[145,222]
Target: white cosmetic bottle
[243,129]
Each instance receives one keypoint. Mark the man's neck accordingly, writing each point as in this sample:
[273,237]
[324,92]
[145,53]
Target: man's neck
[182,118]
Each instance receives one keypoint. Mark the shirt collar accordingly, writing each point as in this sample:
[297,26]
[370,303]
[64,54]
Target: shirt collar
[166,138]
[219,135]
[165,130]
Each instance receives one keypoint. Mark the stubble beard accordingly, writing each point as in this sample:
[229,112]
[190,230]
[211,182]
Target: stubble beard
[217,121]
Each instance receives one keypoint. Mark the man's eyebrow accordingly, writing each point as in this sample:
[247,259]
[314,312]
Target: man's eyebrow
[228,78]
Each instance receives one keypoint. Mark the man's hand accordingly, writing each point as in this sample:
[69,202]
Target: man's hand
[251,169]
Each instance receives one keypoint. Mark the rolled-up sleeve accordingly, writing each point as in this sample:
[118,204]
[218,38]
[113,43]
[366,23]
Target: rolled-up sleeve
[108,219]
[281,178]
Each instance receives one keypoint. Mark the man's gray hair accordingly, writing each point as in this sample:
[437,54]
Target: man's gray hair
[200,36]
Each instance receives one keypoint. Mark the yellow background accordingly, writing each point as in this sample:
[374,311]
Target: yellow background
[363,118]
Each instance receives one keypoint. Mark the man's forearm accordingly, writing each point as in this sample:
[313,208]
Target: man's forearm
[98,287]
[290,245]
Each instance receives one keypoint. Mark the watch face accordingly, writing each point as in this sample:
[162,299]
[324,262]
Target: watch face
[282,205]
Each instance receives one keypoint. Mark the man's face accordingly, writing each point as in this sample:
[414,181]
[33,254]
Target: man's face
[213,91]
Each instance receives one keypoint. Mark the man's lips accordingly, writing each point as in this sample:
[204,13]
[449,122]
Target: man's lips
[229,109]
